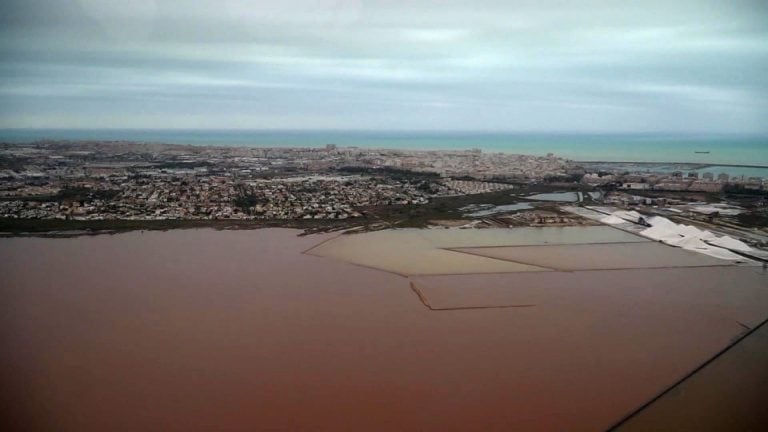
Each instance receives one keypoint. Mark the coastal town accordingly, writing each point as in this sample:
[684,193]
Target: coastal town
[127,181]
[103,181]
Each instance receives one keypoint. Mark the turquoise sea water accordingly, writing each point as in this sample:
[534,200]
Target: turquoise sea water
[729,150]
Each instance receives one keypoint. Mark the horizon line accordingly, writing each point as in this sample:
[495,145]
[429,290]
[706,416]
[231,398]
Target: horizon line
[415,131]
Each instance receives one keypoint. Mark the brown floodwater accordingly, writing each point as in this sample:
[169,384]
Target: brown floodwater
[728,394]
[238,330]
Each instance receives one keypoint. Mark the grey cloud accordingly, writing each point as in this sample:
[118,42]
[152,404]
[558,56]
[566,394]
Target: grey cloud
[496,65]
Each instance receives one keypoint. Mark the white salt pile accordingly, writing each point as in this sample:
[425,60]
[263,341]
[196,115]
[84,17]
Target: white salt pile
[730,243]
[691,238]
[612,220]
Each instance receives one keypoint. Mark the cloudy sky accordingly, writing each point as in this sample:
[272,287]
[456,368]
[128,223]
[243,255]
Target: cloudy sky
[538,65]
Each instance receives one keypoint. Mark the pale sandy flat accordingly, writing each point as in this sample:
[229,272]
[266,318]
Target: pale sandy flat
[413,257]
[423,252]
[599,256]
[454,238]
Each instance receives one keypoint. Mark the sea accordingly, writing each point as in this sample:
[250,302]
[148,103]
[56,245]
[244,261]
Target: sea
[718,152]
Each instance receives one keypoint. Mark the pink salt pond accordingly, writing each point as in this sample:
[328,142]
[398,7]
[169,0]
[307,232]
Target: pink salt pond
[239,330]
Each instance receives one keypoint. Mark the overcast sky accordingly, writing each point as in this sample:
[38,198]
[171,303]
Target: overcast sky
[539,65]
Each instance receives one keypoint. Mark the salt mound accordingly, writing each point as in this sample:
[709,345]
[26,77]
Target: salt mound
[661,221]
[693,239]
[730,243]
[631,216]
[660,233]
[721,253]
[612,220]
[692,243]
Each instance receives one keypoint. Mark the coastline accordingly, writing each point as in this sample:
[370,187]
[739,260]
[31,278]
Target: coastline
[724,149]
[67,189]
[76,228]
[696,165]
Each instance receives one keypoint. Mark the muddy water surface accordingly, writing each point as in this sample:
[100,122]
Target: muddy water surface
[237,330]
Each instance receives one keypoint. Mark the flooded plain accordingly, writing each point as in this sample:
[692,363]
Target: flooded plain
[239,330]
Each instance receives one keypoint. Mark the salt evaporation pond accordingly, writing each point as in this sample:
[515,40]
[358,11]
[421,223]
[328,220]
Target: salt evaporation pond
[420,252]
[191,330]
